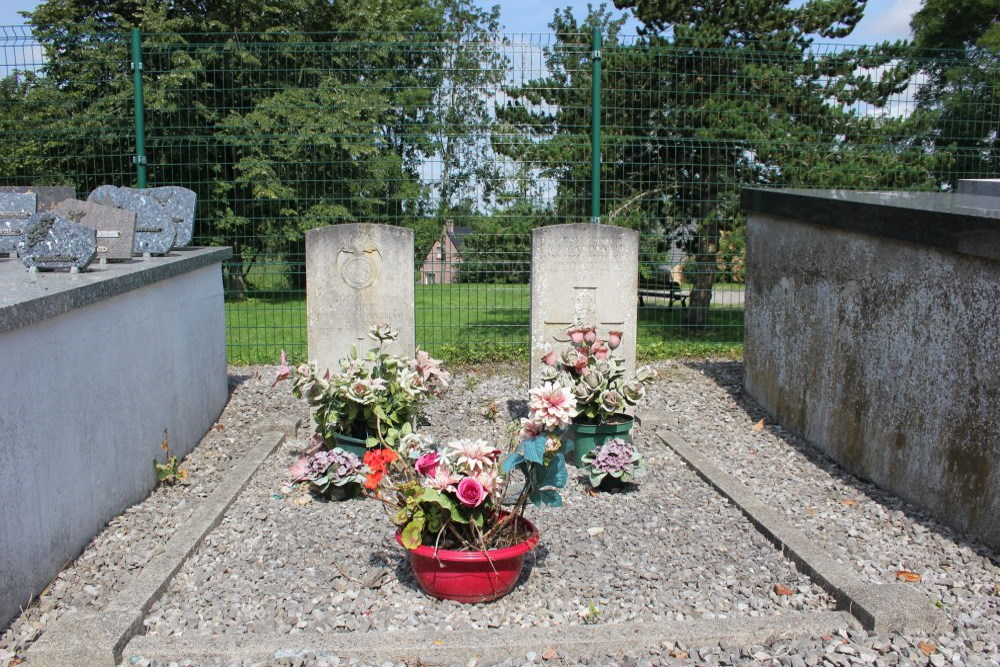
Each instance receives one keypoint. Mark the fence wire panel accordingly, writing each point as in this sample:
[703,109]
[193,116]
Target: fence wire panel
[472,143]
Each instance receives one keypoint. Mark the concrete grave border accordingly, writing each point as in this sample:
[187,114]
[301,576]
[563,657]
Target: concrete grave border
[104,637]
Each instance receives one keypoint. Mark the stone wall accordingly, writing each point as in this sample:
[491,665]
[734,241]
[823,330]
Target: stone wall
[873,330]
[96,365]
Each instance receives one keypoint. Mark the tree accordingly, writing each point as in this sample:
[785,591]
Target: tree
[283,114]
[958,48]
[715,95]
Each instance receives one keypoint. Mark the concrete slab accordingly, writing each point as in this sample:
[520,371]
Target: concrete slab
[488,646]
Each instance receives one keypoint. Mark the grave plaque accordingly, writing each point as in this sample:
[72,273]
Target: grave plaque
[54,242]
[155,230]
[48,195]
[583,275]
[115,227]
[15,209]
[358,275]
[179,203]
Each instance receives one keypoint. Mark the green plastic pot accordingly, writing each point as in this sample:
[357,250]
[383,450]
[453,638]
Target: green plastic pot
[355,446]
[587,437]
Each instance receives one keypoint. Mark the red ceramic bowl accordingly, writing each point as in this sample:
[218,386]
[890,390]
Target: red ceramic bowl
[469,576]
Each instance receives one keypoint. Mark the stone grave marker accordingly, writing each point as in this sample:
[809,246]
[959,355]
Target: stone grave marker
[48,195]
[179,203]
[115,227]
[155,229]
[358,275]
[54,242]
[583,274]
[15,209]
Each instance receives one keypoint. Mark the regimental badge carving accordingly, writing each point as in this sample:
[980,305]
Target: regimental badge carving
[584,309]
[359,261]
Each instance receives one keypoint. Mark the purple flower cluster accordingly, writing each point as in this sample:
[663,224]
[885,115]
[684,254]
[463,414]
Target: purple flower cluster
[615,455]
[344,464]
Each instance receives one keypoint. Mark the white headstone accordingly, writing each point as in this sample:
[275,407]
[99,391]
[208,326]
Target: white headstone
[357,276]
[583,274]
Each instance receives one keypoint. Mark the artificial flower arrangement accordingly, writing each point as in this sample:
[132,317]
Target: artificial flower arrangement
[335,473]
[596,377]
[448,496]
[374,397]
[613,463]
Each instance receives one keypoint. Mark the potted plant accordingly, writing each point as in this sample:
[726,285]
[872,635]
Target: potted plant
[596,378]
[462,543]
[373,398]
[613,464]
[336,473]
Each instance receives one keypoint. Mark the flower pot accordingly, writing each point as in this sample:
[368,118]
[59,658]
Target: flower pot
[470,576]
[611,484]
[587,437]
[355,446]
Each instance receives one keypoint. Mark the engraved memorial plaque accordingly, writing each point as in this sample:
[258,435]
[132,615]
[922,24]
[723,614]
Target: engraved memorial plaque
[179,204]
[155,230]
[54,242]
[583,275]
[47,195]
[15,209]
[115,227]
[358,276]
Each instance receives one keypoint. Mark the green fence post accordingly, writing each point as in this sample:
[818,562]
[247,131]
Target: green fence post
[595,128]
[140,129]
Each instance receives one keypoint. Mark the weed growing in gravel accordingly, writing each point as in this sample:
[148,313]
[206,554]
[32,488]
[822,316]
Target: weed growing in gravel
[169,471]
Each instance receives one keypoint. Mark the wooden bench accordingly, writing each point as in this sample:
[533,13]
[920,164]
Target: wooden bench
[670,291]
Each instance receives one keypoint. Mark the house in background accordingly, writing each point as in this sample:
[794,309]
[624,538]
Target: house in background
[441,263]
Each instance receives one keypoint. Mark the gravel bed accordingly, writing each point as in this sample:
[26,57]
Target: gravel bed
[275,565]
[272,566]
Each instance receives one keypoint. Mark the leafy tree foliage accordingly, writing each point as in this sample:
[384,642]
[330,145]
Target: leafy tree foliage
[284,114]
[715,95]
[958,48]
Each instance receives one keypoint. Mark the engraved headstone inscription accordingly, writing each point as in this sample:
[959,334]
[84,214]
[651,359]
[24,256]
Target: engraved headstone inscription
[115,227]
[587,275]
[15,209]
[48,195]
[358,275]
[155,230]
[54,242]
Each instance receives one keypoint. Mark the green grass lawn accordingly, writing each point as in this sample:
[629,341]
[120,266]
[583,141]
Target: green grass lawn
[469,323]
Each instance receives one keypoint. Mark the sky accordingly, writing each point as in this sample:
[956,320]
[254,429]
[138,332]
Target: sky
[883,20]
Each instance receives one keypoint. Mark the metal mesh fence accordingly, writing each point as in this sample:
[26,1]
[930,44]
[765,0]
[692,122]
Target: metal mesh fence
[472,144]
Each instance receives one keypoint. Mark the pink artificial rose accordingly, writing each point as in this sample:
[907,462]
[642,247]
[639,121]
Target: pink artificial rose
[529,429]
[600,350]
[615,339]
[576,336]
[284,372]
[470,492]
[551,358]
[590,335]
[427,464]
[581,362]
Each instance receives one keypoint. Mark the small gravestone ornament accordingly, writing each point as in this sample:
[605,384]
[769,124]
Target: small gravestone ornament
[155,231]
[15,209]
[48,195]
[54,242]
[115,227]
